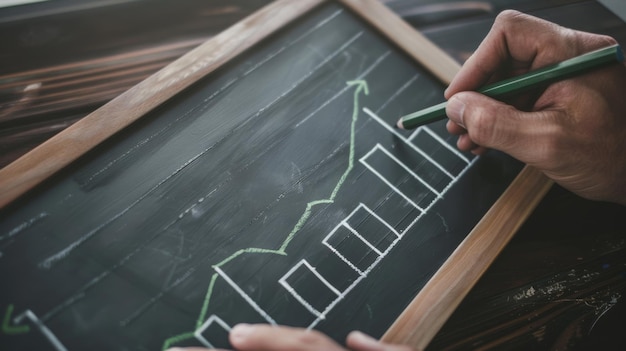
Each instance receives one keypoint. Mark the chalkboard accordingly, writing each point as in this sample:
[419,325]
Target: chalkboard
[272,190]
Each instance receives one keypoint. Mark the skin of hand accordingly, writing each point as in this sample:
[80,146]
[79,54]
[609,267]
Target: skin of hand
[574,130]
[261,337]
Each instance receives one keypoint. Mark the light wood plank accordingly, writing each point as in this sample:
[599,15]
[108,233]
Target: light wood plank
[64,148]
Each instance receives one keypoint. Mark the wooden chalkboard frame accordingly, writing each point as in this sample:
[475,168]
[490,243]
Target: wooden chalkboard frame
[425,315]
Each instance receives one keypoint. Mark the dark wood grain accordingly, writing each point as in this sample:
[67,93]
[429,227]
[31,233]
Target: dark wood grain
[56,153]
[57,67]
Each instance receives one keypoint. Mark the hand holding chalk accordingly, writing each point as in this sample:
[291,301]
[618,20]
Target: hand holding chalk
[519,84]
[576,130]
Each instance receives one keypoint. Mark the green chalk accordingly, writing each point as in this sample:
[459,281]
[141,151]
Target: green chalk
[524,82]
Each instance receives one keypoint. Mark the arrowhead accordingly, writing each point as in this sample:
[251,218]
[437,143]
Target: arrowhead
[361,85]
[9,329]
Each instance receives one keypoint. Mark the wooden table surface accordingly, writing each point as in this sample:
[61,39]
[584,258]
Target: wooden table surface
[559,285]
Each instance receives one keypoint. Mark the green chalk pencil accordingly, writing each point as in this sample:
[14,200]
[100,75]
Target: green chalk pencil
[524,82]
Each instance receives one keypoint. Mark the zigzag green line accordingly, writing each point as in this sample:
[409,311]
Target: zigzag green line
[178,338]
[361,86]
[207,300]
[248,250]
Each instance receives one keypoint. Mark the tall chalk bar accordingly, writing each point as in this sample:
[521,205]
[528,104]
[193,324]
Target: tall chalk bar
[372,228]
[348,244]
[310,288]
[399,177]
[447,156]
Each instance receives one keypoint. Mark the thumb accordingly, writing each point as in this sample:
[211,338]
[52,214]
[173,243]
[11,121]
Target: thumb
[497,125]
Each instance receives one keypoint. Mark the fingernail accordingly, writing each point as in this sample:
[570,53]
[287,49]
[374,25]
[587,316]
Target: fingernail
[455,109]
[240,332]
[365,340]
[175,349]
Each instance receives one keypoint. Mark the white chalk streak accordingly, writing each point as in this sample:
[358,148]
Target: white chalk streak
[345,88]
[322,279]
[409,144]
[373,214]
[338,254]
[245,296]
[23,226]
[381,177]
[283,48]
[355,233]
[213,318]
[445,144]
[203,104]
[409,170]
[398,92]
[28,314]
[296,295]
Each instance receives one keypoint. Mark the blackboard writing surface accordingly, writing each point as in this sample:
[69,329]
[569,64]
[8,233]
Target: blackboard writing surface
[274,190]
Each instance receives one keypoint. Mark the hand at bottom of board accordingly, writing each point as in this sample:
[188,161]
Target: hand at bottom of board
[258,337]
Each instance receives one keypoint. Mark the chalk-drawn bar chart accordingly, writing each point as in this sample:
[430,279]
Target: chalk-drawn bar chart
[310,285]
[420,171]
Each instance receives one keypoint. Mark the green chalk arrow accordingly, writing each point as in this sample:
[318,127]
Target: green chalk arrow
[8,329]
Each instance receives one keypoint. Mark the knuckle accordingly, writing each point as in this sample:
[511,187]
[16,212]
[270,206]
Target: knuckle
[548,155]
[508,16]
[480,126]
[550,152]
[551,146]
